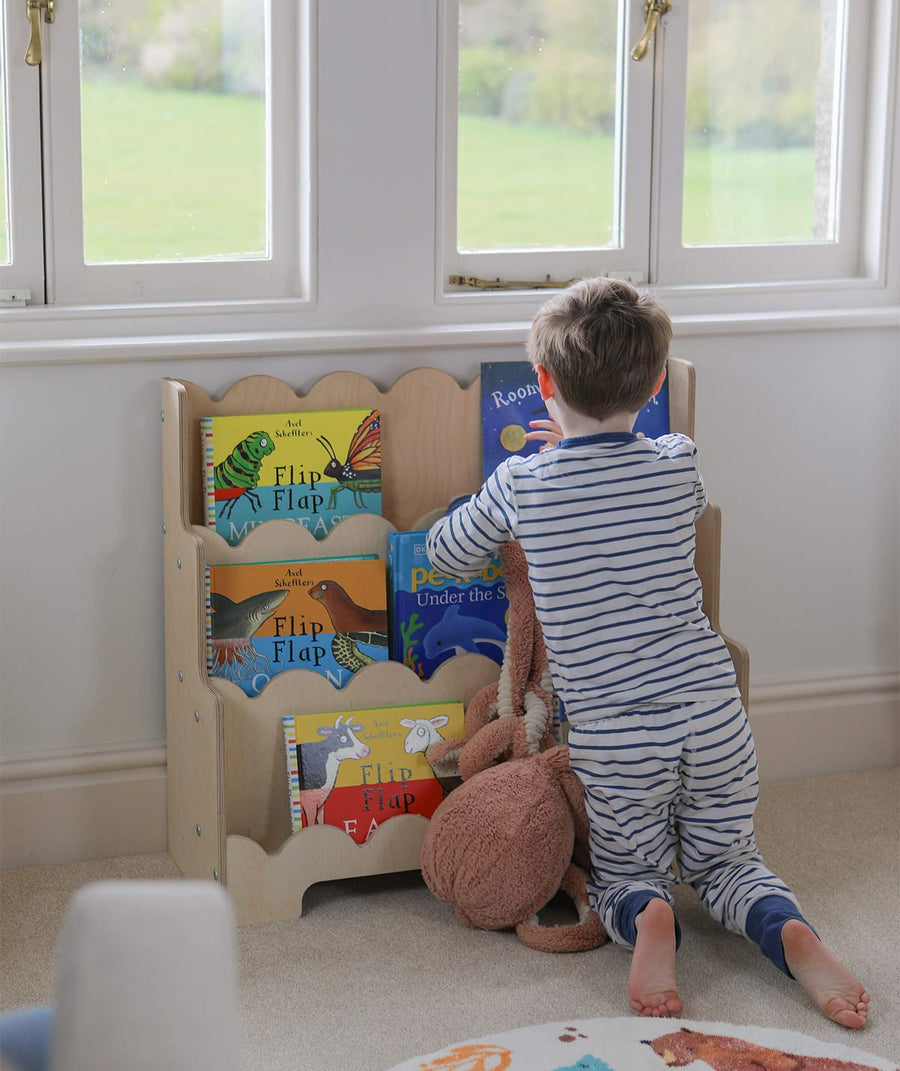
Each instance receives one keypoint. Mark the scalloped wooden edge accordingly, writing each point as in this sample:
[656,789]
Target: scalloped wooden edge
[286,540]
[269,887]
[435,458]
[256,787]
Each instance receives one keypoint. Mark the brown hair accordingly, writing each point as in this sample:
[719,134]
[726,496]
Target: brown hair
[604,343]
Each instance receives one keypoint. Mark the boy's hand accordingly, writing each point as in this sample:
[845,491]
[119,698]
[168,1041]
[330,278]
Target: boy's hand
[548,431]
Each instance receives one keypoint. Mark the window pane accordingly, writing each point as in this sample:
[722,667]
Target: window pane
[174,120]
[4,150]
[761,121]
[538,110]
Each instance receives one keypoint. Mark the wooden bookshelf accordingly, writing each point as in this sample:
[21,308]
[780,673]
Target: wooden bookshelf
[228,815]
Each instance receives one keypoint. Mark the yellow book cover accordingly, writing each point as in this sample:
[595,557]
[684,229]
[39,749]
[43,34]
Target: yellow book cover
[357,768]
[314,468]
[267,617]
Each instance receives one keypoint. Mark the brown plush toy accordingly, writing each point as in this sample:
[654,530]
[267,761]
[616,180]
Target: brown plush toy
[502,844]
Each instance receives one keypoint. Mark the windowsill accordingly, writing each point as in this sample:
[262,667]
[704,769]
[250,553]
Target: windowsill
[168,345]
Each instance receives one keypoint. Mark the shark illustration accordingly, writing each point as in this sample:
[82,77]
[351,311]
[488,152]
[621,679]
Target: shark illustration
[239,620]
[457,633]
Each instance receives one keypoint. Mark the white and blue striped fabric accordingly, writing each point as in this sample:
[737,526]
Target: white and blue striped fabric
[607,526]
[658,736]
[666,784]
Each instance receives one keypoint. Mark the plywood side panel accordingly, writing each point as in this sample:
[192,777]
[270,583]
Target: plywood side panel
[682,390]
[194,726]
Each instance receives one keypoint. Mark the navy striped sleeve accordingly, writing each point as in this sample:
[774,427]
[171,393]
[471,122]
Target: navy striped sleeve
[462,542]
[677,445]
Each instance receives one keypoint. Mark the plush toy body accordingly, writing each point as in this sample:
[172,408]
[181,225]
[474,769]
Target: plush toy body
[502,844]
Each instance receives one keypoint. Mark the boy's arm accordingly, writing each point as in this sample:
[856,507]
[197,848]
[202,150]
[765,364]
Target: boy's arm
[679,447]
[461,542]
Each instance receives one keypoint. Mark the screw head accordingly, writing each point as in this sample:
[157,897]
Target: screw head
[164,527]
[162,415]
[198,830]
[178,562]
[180,675]
[196,715]
[216,874]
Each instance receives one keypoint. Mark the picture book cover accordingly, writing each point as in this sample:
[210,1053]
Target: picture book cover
[264,618]
[434,615]
[314,468]
[356,769]
[510,399]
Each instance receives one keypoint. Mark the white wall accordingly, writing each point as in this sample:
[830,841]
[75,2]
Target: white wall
[798,430]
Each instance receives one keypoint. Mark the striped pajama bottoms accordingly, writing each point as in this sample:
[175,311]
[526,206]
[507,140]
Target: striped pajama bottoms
[672,783]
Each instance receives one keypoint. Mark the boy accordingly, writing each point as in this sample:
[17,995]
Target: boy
[658,734]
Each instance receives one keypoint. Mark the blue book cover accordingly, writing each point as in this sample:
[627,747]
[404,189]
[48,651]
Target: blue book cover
[435,616]
[510,400]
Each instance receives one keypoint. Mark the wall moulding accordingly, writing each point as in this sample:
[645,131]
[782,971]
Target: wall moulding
[211,345]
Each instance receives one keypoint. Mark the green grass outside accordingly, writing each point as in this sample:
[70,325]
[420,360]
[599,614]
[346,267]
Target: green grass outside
[523,186]
[171,175]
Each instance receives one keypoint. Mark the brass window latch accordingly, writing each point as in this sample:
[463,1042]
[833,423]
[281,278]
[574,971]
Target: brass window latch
[508,284]
[630,275]
[35,51]
[653,12]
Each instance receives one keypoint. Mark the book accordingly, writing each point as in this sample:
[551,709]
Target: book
[263,618]
[510,399]
[434,615]
[356,769]
[314,468]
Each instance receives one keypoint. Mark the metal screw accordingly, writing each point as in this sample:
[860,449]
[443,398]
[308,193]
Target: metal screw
[180,675]
[178,562]
[215,875]
[198,830]
[162,415]
[164,527]
[196,715]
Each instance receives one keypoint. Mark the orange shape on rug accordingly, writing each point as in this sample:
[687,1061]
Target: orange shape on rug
[472,1058]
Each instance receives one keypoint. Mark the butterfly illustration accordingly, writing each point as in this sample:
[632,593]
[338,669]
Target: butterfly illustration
[361,472]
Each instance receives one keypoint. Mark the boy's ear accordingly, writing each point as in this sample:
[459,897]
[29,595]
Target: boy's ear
[658,386]
[545,383]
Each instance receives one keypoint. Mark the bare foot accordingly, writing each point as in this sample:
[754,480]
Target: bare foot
[651,983]
[836,990]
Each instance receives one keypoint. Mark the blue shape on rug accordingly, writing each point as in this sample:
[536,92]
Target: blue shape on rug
[587,1063]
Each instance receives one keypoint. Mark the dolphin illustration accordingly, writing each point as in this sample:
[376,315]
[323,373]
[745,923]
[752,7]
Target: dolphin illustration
[457,633]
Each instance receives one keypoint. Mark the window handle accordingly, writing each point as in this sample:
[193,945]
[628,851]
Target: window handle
[35,51]
[653,11]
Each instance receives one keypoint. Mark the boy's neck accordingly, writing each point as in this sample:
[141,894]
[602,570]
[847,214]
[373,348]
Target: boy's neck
[576,425]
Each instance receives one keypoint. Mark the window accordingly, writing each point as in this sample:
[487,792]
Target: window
[171,158]
[734,152]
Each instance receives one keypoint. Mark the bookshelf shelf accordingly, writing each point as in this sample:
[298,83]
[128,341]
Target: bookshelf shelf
[228,817]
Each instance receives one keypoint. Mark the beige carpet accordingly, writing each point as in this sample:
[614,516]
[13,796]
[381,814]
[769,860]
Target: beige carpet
[377,970]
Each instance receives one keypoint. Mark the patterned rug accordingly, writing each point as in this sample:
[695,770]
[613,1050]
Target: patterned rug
[636,1044]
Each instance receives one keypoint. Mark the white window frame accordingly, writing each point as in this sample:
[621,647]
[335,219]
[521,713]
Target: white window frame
[25,273]
[855,262]
[627,258]
[283,273]
[676,264]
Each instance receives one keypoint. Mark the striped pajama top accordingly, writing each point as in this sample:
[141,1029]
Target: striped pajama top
[606,523]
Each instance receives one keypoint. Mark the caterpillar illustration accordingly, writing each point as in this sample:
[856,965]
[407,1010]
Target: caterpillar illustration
[238,475]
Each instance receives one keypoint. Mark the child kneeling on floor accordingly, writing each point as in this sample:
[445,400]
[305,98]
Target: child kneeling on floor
[658,733]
